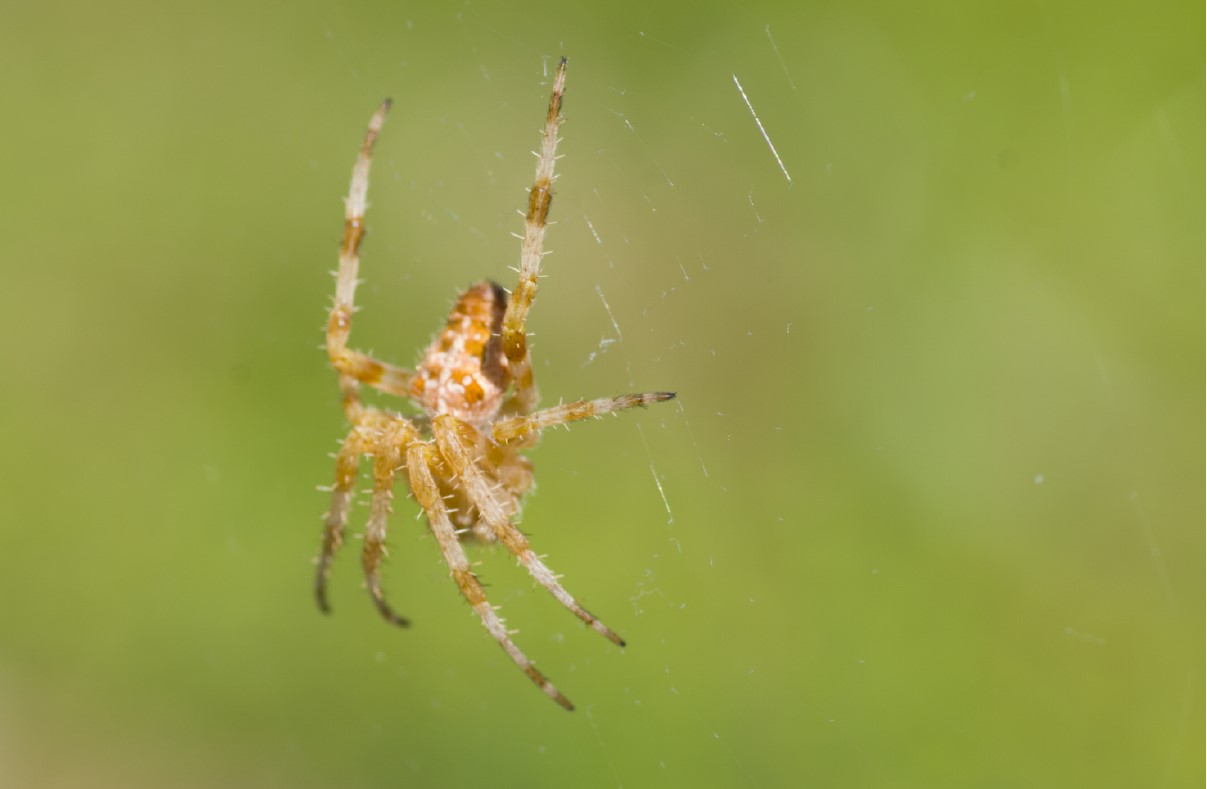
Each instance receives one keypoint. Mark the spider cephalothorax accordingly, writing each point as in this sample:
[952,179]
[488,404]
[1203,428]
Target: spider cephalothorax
[476,386]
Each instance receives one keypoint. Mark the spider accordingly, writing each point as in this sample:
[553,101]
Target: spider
[462,459]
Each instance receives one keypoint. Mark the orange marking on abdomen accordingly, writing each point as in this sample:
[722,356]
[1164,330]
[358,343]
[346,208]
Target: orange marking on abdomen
[464,373]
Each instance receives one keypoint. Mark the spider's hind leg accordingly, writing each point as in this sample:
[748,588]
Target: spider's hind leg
[515,338]
[352,365]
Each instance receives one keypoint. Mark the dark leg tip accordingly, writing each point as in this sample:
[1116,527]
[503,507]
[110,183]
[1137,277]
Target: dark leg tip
[388,614]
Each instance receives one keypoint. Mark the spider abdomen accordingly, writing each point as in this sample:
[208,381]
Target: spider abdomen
[463,372]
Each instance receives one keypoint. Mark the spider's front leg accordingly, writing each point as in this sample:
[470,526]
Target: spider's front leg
[386,463]
[457,449]
[380,436]
[421,457]
[347,463]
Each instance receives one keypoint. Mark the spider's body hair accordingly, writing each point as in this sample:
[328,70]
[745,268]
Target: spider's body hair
[461,461]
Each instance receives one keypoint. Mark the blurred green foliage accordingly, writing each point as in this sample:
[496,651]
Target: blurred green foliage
[933,487]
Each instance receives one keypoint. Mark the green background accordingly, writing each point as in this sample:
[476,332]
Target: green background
[933,487]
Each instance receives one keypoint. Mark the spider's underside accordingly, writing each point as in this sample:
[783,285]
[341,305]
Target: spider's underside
[462,461]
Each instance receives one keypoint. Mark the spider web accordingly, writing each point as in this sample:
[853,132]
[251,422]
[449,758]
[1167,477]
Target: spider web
[927,280]
[696,248]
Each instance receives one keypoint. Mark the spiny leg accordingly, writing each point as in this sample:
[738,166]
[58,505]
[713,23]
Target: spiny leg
[515,341]
[347,464]
[507,430]
[354,366]
[483,494]
[386,462]
[423,485]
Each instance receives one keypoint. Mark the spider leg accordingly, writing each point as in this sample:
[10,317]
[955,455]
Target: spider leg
[515,341]
[484,496]
[378,434]
[423,485]
[507,430]
[386,462]
[354,366]
[336,519]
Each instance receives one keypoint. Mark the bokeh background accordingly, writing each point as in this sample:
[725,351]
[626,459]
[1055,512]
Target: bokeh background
[928,512]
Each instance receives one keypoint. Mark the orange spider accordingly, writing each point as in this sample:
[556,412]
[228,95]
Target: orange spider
[462,460]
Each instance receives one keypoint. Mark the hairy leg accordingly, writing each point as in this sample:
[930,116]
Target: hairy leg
[379,435]
[515,341]
[387,461]
[347,464]
[457,449]
[507,430]
[420,457]
[354,366]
